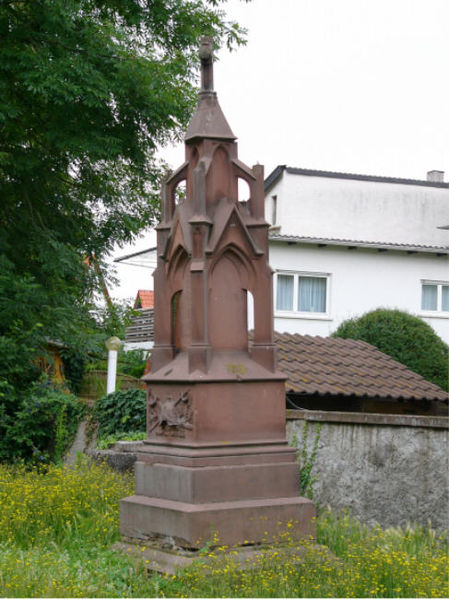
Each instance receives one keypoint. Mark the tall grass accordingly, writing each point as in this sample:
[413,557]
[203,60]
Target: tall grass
[57,527]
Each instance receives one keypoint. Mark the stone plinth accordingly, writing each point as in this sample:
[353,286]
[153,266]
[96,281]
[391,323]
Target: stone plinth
[240,493]
[216,461]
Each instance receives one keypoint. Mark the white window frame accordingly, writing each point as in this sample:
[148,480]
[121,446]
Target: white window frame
[296,313]
[439,312]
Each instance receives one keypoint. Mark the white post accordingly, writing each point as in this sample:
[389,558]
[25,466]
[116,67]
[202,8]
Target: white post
[113,345]
[112,370]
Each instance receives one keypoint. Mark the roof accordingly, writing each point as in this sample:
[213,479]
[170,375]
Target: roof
[348,367]
[144,299]
[350,243]
[208,120]
[136,254]
[278,171]
[142,327]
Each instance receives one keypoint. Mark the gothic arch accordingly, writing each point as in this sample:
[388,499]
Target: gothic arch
[244,266]
[227,299]
[176,269]
[222,185]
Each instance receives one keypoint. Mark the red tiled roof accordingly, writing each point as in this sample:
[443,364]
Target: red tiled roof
[328,366]
[144,299]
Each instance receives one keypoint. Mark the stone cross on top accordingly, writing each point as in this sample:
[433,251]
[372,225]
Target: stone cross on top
[212,252]
[207,68]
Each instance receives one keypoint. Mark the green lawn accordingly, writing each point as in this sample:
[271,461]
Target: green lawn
[56,530]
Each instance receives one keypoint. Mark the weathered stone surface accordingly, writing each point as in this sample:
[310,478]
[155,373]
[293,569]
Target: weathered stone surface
[233,522]
[383,473]
[118,460]
[171,559]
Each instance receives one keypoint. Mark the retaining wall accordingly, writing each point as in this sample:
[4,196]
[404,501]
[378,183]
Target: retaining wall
[390,469]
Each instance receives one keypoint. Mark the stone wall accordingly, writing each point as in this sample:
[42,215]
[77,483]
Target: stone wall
[390,469]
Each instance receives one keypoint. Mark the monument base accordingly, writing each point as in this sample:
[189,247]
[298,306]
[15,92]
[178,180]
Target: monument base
[230,522]
[162,558]
[234,495]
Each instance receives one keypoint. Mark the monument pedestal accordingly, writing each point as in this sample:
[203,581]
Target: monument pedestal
[237,498]
[216,462]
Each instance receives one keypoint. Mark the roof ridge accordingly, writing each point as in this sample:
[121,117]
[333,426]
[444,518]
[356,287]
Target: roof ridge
[364,177]
[281,236]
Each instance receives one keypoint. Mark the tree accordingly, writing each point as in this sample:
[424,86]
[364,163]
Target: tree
[89,90]
[404,337]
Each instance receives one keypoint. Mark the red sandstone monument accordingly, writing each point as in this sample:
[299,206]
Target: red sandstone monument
[216,458]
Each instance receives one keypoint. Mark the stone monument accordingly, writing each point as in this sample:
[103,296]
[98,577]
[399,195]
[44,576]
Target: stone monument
[216,458]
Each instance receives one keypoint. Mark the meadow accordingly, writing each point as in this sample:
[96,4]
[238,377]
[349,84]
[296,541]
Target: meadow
[57,526]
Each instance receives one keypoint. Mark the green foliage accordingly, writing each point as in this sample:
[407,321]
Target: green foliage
[39,423]
[109,440]
[89,91]
[405,338]
[306,459]
[74,366]
[132,362]
[121,412]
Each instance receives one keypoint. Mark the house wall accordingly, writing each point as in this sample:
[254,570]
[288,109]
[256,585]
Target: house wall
[388,469]
[360,280]
[334,208]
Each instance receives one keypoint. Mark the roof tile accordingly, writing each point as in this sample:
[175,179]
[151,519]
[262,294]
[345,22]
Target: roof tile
[324,365]
[144,299]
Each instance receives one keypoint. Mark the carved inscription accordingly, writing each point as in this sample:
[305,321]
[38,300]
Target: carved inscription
[169,416]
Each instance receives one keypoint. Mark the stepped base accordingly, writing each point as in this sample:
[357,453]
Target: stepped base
[159,557]
[230,522]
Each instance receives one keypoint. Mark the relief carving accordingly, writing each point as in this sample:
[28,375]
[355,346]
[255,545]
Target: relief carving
[169,416]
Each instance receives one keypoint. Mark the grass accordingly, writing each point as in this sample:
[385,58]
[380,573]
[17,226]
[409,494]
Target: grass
[110,440]
[57,526]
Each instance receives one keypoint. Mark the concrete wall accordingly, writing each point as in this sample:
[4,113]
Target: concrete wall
[388,469]
[335,208]
[359,281]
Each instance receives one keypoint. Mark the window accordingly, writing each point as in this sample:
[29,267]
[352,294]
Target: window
[435,296]
[274,201]
[302,293]
[284,293]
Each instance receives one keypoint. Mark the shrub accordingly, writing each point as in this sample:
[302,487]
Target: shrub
[405,338]
[39,423]
[121,412]
[74,366]
[132,362]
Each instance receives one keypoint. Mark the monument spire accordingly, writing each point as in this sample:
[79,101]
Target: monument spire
[208,121]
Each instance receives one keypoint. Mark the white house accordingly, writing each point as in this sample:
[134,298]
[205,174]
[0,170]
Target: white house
[343,244]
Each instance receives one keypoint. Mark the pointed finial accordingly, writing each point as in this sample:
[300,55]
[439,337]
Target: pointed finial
[206,54]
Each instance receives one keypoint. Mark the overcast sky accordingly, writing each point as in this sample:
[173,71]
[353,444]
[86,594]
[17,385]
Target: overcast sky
[357,86]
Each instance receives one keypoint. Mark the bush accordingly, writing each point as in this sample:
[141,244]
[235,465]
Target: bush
[121,412]
[39,423]
[132,362]
[405,338]
[74,366]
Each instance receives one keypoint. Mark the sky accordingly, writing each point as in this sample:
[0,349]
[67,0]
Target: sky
[359,86]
